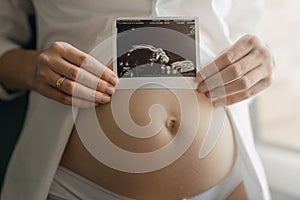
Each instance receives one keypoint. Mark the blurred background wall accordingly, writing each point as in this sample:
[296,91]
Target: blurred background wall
[277,110]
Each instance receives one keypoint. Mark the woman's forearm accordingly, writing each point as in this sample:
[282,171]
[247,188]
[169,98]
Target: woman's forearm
[17,68]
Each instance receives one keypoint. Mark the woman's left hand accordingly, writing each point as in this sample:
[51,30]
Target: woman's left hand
[238,73]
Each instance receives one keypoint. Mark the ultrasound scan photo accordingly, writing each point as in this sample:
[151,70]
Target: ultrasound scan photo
[156,48]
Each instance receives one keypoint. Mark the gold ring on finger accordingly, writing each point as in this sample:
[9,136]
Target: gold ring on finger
[59,82]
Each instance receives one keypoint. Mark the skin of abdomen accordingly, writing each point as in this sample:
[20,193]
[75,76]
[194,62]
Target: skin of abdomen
[186,177]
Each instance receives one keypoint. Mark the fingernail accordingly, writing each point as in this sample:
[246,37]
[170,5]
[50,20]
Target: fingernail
[110,90]
[212,94]
[218,103]
[230,56]
[106,98]
[200,77]
[202,88]
[115,75]
[93,105]
[114,80]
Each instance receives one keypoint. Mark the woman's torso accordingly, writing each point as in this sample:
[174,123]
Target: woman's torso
[185,177]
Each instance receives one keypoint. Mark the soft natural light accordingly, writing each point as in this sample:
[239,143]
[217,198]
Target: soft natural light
[278,112]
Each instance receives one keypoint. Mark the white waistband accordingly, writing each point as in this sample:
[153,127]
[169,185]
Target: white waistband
[68,185]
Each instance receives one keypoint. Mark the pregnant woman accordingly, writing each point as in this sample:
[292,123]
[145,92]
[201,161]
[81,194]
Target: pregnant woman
[51,161]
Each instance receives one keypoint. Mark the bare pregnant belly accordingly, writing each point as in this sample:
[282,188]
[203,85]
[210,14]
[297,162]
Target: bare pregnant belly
[189,174]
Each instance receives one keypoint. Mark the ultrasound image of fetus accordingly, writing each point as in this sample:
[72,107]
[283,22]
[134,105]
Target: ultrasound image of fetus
[149,61]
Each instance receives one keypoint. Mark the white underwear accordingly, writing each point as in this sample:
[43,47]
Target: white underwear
[68,185]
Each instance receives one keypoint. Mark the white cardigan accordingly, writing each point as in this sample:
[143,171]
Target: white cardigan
[48,124]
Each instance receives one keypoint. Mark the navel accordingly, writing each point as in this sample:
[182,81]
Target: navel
[172,124]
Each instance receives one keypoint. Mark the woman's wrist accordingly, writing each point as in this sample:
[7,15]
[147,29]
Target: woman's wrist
[31,69]
[17,69]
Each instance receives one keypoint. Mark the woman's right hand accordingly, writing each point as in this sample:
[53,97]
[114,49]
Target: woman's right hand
[72,77]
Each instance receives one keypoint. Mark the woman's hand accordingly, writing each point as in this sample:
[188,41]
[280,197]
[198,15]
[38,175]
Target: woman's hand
[238,73]
[72,77]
